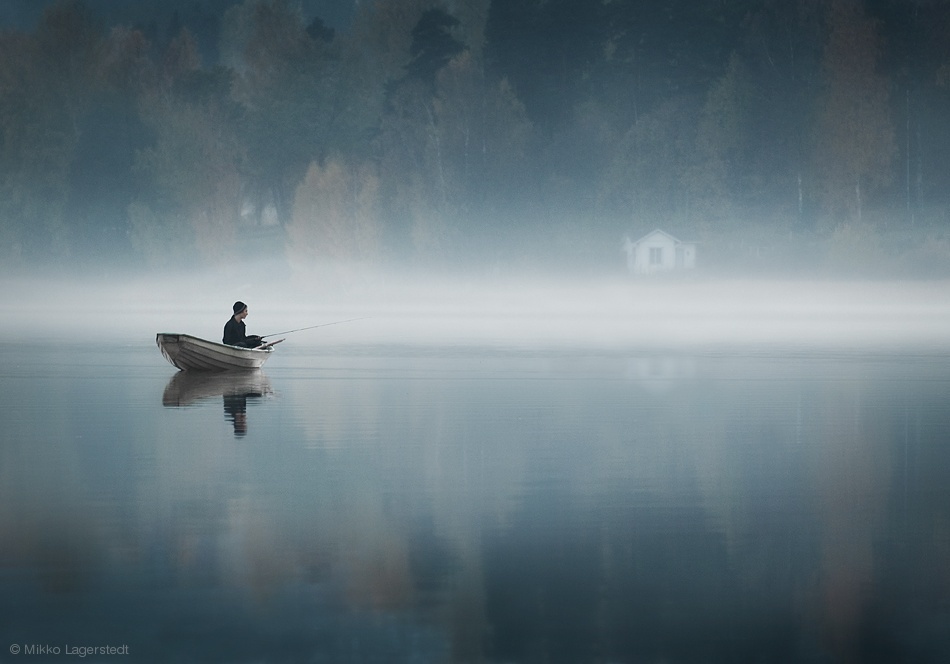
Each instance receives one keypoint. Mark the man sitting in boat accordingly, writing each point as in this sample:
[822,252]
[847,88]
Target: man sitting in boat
[235,331]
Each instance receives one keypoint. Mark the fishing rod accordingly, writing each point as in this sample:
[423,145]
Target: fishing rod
[301,329]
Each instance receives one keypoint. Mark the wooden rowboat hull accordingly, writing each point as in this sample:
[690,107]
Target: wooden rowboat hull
[190,353]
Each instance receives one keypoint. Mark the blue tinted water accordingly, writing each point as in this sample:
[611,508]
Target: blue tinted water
[470,504]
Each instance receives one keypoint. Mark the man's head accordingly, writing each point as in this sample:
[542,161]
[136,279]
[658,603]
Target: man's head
[240,310]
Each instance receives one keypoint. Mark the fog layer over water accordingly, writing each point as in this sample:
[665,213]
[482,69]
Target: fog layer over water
[528,312]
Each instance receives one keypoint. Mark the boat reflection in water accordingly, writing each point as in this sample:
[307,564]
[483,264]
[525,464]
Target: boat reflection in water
[187,388]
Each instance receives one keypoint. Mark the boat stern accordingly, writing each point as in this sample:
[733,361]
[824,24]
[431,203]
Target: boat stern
[168,344]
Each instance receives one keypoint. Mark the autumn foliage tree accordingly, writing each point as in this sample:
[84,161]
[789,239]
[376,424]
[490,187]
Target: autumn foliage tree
[336,215]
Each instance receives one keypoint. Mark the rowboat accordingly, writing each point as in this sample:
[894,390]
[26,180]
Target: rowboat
[190,353]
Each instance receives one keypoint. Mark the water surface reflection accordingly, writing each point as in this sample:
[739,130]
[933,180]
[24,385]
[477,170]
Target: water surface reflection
[562,507]
[187,388]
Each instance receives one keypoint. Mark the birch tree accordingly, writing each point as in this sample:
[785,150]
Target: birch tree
[855,141]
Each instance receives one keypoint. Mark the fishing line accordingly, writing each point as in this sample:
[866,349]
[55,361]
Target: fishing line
[301,329]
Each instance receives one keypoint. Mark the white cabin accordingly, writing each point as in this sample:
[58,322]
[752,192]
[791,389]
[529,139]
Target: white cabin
[658,251]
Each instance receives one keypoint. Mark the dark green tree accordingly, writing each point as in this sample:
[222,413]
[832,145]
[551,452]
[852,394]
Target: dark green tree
[433,45]
[286,86]
[855,143]
[781,45]
[47,84]
[649,163]
[720,148]
[193,168]
[102,181]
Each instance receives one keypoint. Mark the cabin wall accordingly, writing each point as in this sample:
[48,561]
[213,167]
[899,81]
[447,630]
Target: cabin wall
[655,254]
[659,253]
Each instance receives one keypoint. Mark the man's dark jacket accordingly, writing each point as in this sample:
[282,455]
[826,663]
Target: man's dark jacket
[235,333]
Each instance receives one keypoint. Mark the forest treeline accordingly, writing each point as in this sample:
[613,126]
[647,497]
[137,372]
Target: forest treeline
[480,132]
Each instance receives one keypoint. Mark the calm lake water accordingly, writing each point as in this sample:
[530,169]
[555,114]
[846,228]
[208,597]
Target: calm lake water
[476,504]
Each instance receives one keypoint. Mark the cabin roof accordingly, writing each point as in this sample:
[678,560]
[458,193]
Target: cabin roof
[664,233]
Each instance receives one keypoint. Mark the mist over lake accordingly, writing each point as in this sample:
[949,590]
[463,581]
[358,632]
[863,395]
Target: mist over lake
[441,308]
